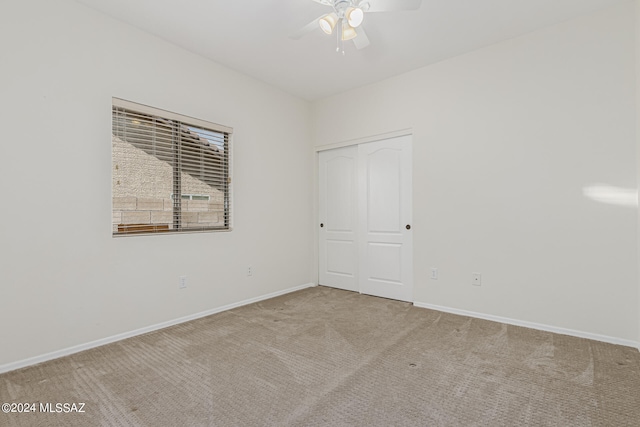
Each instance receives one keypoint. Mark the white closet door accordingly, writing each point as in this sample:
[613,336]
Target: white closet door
[338,252]
[384,220]
[365,233]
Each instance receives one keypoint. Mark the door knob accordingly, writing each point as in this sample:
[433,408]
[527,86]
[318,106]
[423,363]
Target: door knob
[408,227]
[321,225]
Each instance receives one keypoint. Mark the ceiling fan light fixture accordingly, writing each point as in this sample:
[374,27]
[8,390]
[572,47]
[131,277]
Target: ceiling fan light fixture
[328,22]
[355,16]
[348,32]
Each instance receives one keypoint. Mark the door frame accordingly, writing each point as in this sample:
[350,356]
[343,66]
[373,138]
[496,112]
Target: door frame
[316,186]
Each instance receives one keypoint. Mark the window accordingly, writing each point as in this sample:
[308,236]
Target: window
[157,155]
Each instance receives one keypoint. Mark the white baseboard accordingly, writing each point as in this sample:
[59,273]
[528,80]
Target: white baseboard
[78,348]
[532,325]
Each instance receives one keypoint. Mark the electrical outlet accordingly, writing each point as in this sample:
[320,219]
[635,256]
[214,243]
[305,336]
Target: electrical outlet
[434,273]
[183,282]
[476,279]
[249,271]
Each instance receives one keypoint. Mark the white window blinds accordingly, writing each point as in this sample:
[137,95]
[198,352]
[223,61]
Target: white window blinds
[171,173]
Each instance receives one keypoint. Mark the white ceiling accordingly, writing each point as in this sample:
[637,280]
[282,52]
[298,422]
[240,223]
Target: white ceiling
[251,36]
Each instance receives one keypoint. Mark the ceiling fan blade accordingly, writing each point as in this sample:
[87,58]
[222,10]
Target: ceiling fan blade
[391,5]
[361,41]
[305,30]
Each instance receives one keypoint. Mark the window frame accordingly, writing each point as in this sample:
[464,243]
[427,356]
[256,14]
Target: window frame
[177,120]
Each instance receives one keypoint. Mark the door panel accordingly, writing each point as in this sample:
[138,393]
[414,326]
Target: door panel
[385,262]
[341,257]
[386,245]
[340,191]
[383,205]
[338,208]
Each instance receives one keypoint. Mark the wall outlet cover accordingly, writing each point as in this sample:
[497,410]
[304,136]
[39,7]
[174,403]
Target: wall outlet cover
[476,279]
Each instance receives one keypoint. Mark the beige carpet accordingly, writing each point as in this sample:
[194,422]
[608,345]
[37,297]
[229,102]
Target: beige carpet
[325,357]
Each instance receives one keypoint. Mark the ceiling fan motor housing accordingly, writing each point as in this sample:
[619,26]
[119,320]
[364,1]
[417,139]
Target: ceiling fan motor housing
[340,6]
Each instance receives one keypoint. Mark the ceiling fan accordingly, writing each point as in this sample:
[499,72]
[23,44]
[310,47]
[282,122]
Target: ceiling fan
[347,17]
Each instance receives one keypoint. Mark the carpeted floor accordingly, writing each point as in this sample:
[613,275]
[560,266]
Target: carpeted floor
[325,357]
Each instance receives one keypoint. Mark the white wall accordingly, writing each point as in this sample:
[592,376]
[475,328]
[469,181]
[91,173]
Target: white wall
[637,68]
[65,281]
[506,139]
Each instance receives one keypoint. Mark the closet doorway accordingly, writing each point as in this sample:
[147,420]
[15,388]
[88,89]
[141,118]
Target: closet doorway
[366,235]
